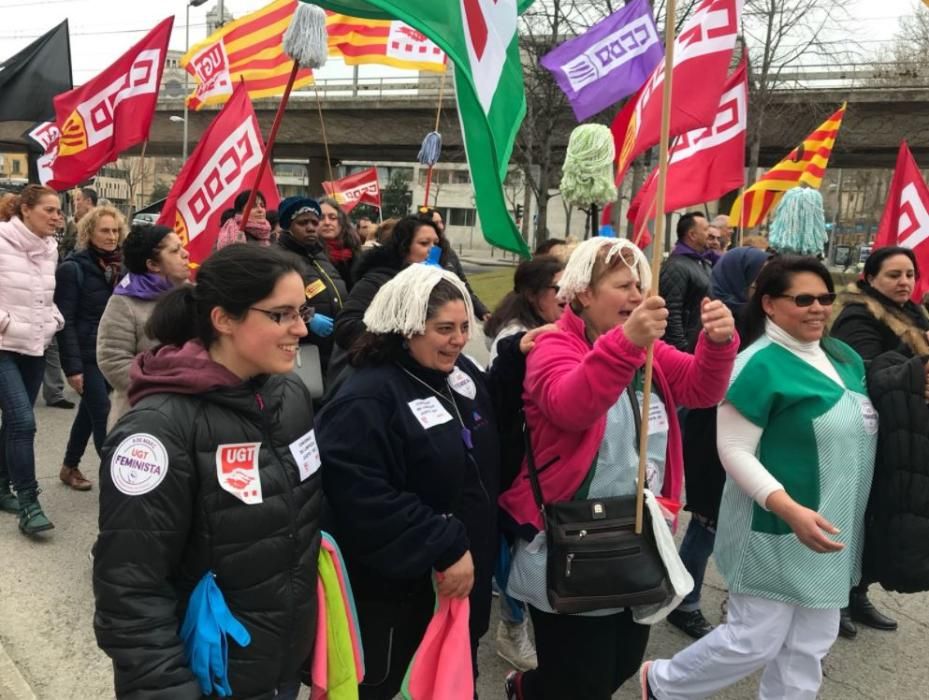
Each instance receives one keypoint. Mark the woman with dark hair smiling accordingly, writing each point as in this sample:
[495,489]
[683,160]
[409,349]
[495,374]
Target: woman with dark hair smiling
[877,316]
[210,482]
[797,437]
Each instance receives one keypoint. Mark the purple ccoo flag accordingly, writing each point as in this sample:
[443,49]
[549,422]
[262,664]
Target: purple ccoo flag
[609,61]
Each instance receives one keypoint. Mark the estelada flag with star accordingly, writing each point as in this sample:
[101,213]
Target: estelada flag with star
[110,113]
[905,221]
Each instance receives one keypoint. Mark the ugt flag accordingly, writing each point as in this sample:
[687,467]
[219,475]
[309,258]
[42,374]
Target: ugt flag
[905,221]
[481,39]
[609,61]
[222,165]
[110,113]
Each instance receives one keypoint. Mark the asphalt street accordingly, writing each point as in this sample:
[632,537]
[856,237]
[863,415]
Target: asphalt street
[46,610]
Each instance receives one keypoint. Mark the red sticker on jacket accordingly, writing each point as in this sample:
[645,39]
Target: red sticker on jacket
[237,471]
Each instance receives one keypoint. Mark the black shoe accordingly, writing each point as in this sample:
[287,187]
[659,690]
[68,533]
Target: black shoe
[692,623]
[60,403]
[847,628]
[862,610]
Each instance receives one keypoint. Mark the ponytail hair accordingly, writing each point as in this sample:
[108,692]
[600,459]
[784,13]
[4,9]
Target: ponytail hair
[233,279]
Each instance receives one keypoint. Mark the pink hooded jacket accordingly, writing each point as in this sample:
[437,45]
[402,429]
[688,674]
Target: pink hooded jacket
[569,388]
[29,318]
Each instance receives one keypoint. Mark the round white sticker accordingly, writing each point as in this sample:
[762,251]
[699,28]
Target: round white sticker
[139,464]
[462,383]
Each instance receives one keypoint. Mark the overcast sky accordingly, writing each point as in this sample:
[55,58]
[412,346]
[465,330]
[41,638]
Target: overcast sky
[103,29]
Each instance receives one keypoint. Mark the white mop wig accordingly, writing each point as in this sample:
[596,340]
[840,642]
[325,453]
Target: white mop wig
[402,305]
[579,272]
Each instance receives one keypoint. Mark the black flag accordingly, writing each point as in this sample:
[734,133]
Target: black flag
[30,79]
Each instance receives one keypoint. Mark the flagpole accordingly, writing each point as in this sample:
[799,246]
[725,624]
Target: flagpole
[322,126]
[438,116]
[141,178]
[657,250]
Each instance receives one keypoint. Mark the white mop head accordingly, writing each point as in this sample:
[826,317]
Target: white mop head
[306,40]
[400,306]
[580,267]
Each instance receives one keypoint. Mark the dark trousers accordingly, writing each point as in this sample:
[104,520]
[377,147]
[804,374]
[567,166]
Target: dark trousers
[20,381]
[53,385]
[583,657]
[696,550]
[91,416]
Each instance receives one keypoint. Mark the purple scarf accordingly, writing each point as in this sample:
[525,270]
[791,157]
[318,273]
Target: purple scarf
[148,286]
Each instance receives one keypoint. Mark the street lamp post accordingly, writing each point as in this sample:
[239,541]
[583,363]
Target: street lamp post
[191,3]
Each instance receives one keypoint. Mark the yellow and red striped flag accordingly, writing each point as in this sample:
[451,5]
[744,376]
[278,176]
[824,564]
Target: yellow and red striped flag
[249,49]
[806,165]
[385,42]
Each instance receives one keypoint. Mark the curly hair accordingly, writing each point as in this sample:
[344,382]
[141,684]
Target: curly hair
[88,223]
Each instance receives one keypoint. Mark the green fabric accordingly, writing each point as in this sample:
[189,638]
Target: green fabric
[491,94]
[343,682]
[819,445]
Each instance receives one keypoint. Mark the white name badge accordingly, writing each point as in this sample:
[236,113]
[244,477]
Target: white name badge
[429,412]
[306,455]
[657,415]
[868,414]
[462,383]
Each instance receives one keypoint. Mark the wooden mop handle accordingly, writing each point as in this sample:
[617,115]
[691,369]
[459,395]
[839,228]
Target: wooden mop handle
[278,118]
[657,253]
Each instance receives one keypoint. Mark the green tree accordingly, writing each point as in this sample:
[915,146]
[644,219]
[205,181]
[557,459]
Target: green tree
[396,197]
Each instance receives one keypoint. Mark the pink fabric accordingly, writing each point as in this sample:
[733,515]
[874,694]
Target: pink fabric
[569,388]
[319,668]
[441,667]
[29,318]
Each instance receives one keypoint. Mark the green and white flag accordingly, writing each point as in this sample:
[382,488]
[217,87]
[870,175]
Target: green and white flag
[480,37]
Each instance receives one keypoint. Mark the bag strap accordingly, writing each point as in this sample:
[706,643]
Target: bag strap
[530,466]
[637,418]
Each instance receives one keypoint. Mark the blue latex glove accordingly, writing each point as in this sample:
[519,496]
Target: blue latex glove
[435,252]
[207,625]
[321,325]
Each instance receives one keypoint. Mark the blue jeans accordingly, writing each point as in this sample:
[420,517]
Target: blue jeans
[20,381]
[512,611]
[91,416]
[695,553]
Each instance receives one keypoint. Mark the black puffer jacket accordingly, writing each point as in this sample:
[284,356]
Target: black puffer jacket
[155,546]
[452,263]
[325,290]
[81,294]
[684,282]
[376,267]
[409,499]
[897,529]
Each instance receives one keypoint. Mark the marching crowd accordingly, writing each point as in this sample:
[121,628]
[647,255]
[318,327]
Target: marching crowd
[313,378]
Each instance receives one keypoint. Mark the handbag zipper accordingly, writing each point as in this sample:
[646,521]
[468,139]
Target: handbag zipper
[571,556]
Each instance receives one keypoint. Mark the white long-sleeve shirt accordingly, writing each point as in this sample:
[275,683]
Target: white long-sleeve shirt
[737,437]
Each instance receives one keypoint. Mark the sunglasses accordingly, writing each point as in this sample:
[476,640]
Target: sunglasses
[804,300]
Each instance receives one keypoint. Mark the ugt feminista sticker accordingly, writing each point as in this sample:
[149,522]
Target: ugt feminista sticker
[139,464]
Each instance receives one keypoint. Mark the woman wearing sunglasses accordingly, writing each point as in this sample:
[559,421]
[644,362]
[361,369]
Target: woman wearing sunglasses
[797,437]
[213,472]
[879,320]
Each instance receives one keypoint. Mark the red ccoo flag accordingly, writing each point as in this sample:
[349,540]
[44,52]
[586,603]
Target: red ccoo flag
[358,188]
[905,221]
[110,113]
[703,164]
[702,54]
[222,165]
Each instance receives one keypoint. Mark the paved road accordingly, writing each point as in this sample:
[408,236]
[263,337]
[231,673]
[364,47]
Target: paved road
[46,608]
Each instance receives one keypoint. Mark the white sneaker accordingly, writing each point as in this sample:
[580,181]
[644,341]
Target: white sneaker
[515,646]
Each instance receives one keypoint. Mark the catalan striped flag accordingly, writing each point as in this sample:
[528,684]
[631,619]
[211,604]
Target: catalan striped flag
[805,165]
[249,49]
[385,42]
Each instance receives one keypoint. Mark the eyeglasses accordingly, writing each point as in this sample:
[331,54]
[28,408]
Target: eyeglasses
[288,317]
[804,300]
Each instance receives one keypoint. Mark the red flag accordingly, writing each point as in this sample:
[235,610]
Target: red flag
[359,188]
[702,53]
[703,164]
[110,113]
[222,165]
[905,221]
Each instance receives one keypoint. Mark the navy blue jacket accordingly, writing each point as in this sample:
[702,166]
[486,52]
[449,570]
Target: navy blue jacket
[407,499]
[81,294]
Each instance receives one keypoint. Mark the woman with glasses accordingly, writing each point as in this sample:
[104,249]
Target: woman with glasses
[85,283]
[878,318]
[214,471]
[797,436]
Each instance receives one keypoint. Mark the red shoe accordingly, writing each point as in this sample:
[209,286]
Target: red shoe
[513,685]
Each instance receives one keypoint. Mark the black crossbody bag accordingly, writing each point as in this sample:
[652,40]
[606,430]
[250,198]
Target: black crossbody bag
[595,559]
